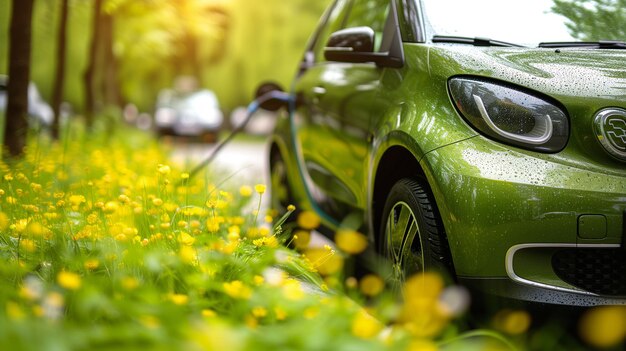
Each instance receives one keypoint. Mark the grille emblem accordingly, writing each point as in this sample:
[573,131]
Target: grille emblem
[610,128]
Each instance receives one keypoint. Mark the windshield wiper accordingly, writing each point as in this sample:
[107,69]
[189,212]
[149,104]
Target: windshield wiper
[472,41]
[602,44]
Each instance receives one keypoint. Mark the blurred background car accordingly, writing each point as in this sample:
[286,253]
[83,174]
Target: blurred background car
[39,111]
[188,111]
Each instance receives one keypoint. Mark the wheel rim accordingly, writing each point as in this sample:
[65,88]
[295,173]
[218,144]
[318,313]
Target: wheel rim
[403,246]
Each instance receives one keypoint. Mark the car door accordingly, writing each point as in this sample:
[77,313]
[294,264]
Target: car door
[333,118]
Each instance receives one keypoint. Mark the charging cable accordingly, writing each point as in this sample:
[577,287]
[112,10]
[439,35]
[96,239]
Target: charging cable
[252,108]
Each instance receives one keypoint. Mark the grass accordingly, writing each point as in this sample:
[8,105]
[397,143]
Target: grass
[101,249]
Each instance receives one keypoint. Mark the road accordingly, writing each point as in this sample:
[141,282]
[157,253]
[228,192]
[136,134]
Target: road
[243,161]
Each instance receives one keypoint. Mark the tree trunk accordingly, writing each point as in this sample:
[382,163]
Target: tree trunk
[90,71]
[110,83]
[19,77]
[59,82]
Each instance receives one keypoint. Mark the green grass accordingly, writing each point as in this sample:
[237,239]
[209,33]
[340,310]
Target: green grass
[107,246]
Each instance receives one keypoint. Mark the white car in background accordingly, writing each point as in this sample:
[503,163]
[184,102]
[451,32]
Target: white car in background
[195,113]
[39,112]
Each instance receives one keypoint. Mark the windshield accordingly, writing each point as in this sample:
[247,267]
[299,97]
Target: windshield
[528,22]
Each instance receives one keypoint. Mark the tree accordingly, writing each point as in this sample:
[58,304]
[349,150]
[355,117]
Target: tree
[90,71]
[156,41]
[593,20]
[110,84]
[57,92]
[19,77]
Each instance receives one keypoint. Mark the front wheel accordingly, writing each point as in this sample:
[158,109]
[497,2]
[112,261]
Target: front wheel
[413,237]
[280,195]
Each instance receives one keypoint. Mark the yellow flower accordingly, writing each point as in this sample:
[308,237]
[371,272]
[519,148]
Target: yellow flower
[92,264]
[123,199]
[251,322]
[350,241]
[207,313]
[324,261]
[163,169]
[69,280]
[258,280]
[237,290]
[512,322]
[92,218]
[184,175]
[245,191]
[36,187]
[28,245]
[351,282]
[604,327]
[308,220]
[13,310]
[365,326]
[129,283]
[4,221]
[292,290]
[186,239]
[301,239]
[291,208]
[372,285]
[422,314]
[188,255]
[179,299]
[259,312]
[311,312]
[280,313]
[157,202]
[76,201]
[260,188]
[110,207]
[35,229]
[423,345]
[266,241]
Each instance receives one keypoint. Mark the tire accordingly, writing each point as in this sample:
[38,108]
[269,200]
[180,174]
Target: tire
[412,234]
[280,194]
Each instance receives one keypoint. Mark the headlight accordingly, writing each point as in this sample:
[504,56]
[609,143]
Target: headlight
[510,116]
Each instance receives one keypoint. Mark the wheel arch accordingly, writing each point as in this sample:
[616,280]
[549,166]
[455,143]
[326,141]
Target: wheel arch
[398,162]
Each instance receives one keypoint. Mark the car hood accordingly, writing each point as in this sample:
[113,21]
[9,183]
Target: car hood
[583,81]
[590,74]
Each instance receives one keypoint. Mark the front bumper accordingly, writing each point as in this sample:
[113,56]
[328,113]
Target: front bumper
[499,203]
[510,291]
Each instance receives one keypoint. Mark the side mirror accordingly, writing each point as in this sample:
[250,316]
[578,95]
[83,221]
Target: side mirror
[356,44]
[356,39]
[271,104]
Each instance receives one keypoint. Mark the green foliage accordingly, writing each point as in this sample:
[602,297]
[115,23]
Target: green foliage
[266,42]
[593,20]
[240,43]
[45,27]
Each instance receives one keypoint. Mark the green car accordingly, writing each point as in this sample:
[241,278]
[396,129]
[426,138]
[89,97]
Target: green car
[500,160]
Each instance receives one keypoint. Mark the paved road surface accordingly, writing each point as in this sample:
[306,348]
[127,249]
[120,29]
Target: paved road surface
[245,160]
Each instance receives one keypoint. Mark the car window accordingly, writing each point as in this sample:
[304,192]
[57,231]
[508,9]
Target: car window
[336,21]
[370,13]
[348,14]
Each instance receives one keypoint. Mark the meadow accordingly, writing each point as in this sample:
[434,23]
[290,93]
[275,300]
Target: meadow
[105,244]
